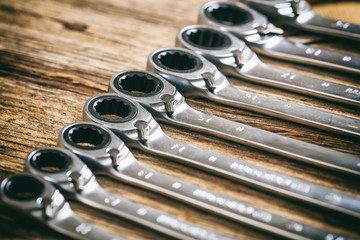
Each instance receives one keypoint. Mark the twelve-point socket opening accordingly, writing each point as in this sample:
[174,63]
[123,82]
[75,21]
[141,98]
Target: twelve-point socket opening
[50,160]
[228,14]
[177,61]
[113,109]
[206,38]
[138,84]
[23,187]
[86,136]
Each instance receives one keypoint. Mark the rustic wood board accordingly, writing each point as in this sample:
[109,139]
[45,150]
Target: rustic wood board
[54,55]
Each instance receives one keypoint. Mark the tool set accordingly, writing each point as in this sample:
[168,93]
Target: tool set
[128,116]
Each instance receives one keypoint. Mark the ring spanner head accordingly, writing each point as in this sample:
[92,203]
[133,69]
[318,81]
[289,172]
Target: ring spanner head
[142,85]
[97,146]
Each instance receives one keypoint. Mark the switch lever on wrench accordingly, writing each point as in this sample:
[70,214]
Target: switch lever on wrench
[233,58]
[264,38]
[122,116]
[298,14]
[38,199]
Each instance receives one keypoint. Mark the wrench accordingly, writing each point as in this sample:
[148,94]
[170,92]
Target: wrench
[109,156]
[264,38]
[234,58]
[298,14]
[167,105]
[138,129]
[69,174]
[34,197]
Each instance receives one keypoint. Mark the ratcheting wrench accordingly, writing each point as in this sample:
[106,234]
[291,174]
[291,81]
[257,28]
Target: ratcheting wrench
[34,197]
[138,129]
[264,38]
[234,58]
[194,76]
[76,181]
[298,14]
[167,105]
[109,156]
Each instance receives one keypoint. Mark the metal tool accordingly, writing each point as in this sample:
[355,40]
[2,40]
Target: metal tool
[167,105]
[69,174]
[39,200]
[234,58]
[138,129]
[106,154]
[298,14]
[264,38]
[194,76]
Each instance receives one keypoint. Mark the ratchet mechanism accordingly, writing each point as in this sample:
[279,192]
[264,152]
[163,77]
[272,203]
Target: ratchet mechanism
[69,174]
[264,38]
[138,129]
[232,57]
[38,199]
[194,76]
[109,156]
[167,105]
[298,14]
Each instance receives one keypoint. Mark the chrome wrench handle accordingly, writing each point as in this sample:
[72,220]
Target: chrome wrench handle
[264,38]
[112,158]
[288,111]
[77,181]
[284,49]
[149,137]
[246,65]
[40,200]
[194,83]
[182,115]
[303,17]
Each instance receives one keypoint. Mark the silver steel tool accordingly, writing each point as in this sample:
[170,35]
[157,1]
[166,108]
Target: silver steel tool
[72,177]
[138,129]
[167,105]
[234,58]
[264,38]
[39,200]
[106,154]
[298,14]
[194,76]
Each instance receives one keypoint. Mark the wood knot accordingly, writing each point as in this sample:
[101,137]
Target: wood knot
[75,26]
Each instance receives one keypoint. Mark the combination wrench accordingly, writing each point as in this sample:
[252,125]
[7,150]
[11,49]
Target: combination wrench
[38,199]
[264,38]
[138,129]
[233,58]
[298,14]
[194,76]
[76,181]
[106,154]
[167,105]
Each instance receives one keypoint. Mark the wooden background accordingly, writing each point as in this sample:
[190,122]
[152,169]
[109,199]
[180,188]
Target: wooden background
[54,55]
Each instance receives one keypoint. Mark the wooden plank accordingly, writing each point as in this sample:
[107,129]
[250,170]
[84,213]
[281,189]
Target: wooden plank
[54,55]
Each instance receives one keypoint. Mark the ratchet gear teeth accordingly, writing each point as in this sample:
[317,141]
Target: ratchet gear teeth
[209,80]
[87,137]
[50,160]
[170,103]
[177,61]
[229,14]
[207,38]
[143,129]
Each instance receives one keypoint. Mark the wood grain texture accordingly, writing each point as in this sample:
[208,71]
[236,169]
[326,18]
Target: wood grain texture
[54,55]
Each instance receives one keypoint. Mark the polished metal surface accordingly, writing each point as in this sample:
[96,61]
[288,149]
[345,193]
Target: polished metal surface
[38,199]
[182,115]
[298,13]
[123,116]
[234,58]
[192,83]
[109,156]
[264,38]
[76,181]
